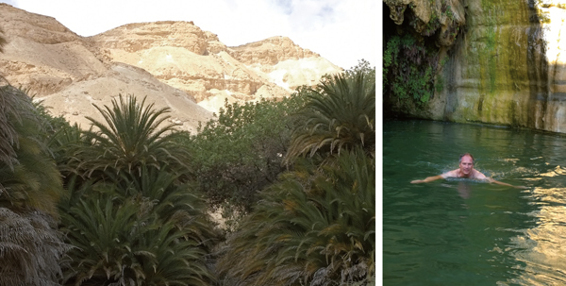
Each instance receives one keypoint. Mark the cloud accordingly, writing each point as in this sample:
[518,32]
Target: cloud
[285,5]
[343,31]
[11,2]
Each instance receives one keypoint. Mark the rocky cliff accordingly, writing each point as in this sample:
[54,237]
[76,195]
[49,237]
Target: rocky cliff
[174,64]
[504,67]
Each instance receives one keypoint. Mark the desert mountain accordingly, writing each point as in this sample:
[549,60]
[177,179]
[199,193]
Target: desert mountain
[173,64]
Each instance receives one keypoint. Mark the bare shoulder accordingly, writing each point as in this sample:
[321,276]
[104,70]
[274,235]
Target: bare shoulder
[479,175]
[450,174]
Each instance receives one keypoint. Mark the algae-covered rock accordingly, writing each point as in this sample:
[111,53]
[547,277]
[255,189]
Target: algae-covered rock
[505,66]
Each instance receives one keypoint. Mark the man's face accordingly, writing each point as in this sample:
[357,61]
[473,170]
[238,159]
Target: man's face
[466,165]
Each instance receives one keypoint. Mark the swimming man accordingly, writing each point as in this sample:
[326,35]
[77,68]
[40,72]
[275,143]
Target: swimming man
[466,170]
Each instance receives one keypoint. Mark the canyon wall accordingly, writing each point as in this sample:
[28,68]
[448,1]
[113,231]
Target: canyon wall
[505,67]
[174,64]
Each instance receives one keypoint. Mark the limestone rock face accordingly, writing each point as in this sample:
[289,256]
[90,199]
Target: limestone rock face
[509,67]
[446,16]
[182,55]
[42,54]
[39,28]
[174,64]
[283,62]
[78,100]
[270,52]
[506,67]
[136,37]
[69,75]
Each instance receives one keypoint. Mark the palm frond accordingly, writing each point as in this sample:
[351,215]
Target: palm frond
[30,249]
[29,178]
[339,114]
[133,134]
[128,230]
[15,108]
[309,229]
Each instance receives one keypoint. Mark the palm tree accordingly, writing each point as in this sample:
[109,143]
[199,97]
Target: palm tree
[104,237]
[314,227]
[30,249]
[133,135]
[172,201]
[177,260]
[14,107]
[129,214]
[29,178]
[9,100]
[122,241]
[66,144]
[30,246]
[339,114]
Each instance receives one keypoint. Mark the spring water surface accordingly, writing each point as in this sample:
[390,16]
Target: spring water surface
[462,232]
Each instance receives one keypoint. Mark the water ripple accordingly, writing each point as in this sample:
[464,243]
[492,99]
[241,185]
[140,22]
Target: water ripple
[460,232]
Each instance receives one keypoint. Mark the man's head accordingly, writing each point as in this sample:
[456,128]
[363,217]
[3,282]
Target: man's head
[466,164]
[468,155]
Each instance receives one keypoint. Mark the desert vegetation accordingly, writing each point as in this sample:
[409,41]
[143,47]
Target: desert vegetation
[128,201]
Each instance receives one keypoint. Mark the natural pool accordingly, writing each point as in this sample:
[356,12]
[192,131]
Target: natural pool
[461,232]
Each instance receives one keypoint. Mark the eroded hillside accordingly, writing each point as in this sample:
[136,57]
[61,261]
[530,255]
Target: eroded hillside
[173,64]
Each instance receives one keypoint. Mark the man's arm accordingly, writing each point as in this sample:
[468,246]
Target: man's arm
[480,176]
[505,184]
[428,179]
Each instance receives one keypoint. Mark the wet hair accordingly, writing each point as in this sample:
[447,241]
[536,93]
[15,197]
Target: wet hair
[467,154]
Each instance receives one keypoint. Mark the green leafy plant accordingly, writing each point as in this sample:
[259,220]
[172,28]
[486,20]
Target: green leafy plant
[390,56]
[339,114]
[315,226]
[130,210]
[133,135]
[240,152]
[409,69]
[29,178]
[124,241]
[30,186]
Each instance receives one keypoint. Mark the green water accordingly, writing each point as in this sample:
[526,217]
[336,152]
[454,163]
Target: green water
[461,232]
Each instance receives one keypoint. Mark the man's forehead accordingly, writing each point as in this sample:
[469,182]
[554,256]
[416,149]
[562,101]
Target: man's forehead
[467,158]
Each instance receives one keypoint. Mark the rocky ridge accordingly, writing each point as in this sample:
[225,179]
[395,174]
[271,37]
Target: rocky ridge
[173,64]
[443,19]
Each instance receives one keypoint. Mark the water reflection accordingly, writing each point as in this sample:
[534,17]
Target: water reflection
[462,186]
[464,190]
[555,172]
[541,250]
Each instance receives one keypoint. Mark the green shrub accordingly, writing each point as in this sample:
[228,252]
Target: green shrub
[315,226]
[409,69]
[240,152]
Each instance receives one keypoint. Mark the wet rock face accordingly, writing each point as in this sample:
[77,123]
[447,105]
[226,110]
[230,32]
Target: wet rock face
[505,67]
[508,69]
[441,18]
[487,76]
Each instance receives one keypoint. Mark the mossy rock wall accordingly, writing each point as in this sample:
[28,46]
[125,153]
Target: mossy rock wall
[506,67]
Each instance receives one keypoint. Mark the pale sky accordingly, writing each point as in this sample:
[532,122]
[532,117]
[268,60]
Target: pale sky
[342,31]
